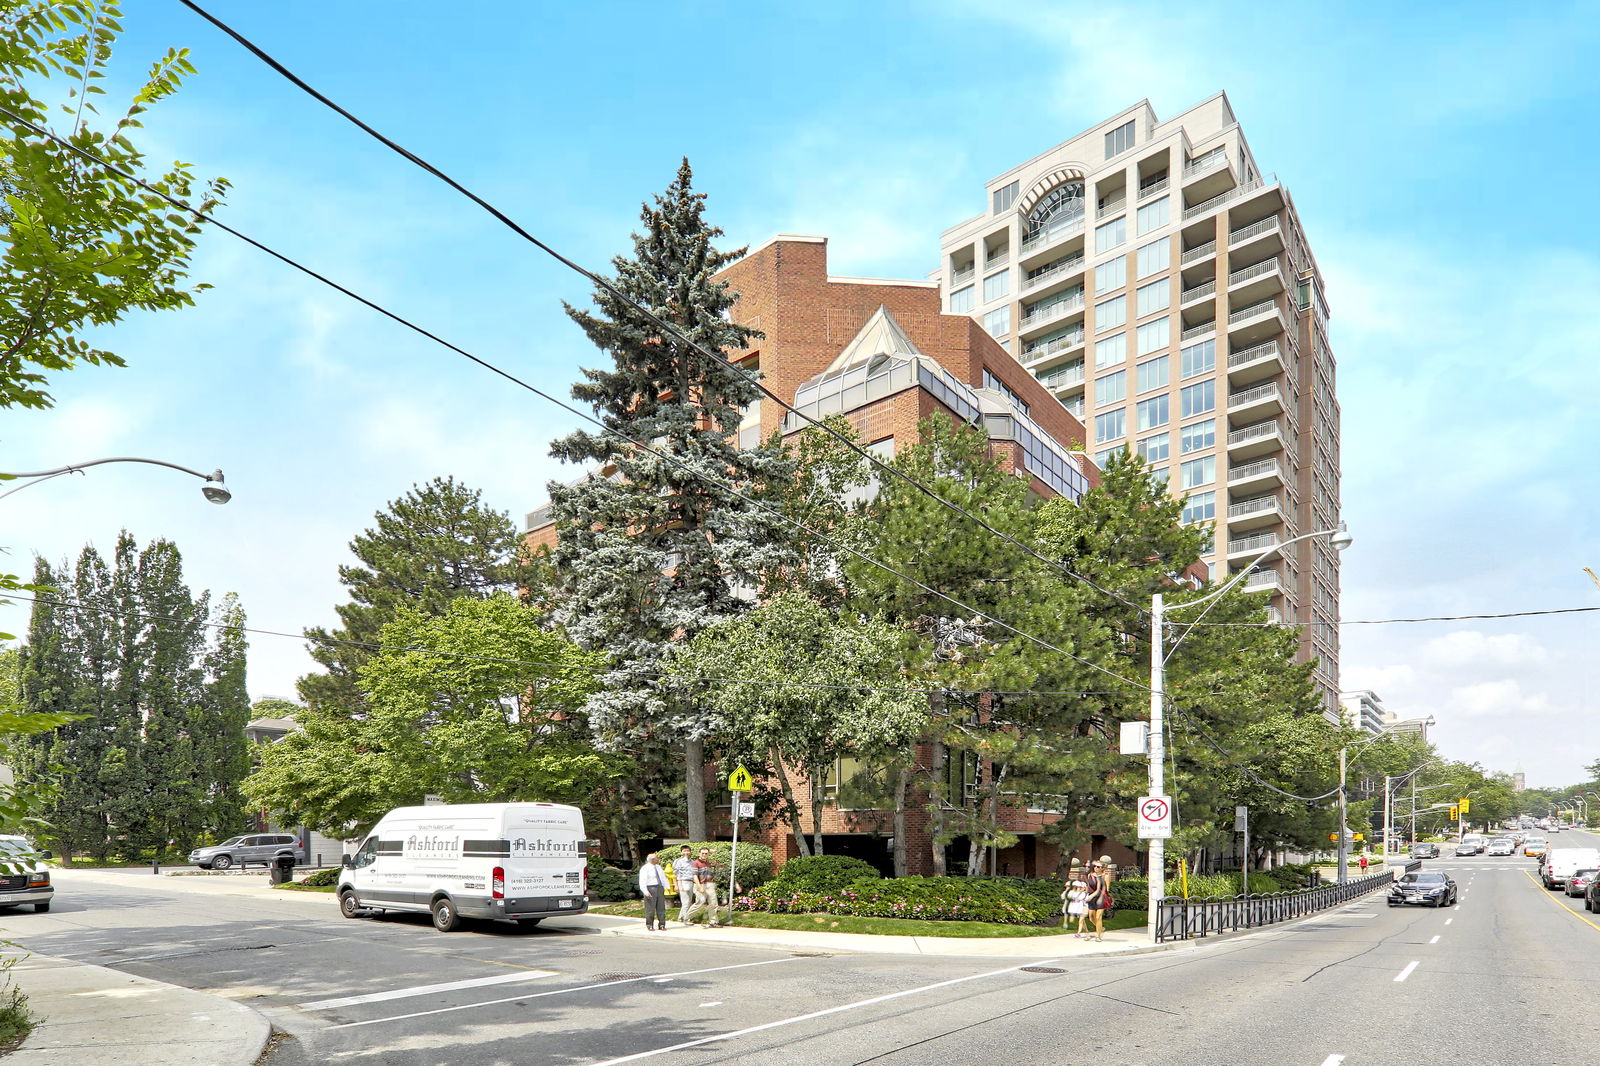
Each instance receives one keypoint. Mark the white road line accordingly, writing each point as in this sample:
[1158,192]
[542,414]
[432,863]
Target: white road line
[1447,921]
[713,1003]
[814,1014]
[1435,940]
[1333,1060]
[556,992]
[427,990]
[1406,972]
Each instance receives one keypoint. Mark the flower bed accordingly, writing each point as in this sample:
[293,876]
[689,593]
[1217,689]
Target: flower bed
[1011,901]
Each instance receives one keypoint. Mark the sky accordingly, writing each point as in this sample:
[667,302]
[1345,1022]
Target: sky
[1437,164]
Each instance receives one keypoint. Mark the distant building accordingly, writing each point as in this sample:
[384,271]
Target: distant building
[1361,709]
[1393,723]
[1519,781]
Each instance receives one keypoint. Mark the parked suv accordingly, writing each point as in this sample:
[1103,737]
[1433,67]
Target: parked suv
[262,849]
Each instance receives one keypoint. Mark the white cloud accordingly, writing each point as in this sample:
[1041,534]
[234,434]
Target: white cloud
[1469,647]
[1503,697]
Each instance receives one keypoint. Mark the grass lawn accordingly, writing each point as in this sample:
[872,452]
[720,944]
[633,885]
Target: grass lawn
[839,923]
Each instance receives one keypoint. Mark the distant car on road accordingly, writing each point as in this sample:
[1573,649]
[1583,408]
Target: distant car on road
[1424,851]
[1578,883]
[1535,847]
[1501,846]
[1468,847]
[1591,896]
[1428,889]
[262,849]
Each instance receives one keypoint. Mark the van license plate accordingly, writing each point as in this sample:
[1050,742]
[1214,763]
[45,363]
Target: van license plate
[559,903]
[7,898]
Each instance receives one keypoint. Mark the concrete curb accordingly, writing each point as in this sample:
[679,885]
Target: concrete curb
[152,1021]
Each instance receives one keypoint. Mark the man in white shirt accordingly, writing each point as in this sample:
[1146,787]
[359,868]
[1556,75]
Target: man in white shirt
[683,874]
[653,887]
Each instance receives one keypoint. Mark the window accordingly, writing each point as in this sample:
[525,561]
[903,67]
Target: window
[1111,275]
[1110,235]
[1154,335]
[1104,455]
[1111,349]
[1120,139]
[1004,198]
[1197,472]
[1156,296]
[1059,207]
[996,285]
[1110,314]
[1199,358]
[998,321]
[1157,255]
[1153,412]
[1111,425]
[1198,398]
[1153,215]
[1200,507]
[1198,436]
[1074,406]
[990,381]
[1111,388]
[1155,374]
[961,301]
[1304,293]
[1155,449]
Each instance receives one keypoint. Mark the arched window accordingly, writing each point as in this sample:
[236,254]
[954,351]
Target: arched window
[1064,203]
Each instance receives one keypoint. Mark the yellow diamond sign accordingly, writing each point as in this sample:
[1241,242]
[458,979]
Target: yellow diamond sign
[739,781]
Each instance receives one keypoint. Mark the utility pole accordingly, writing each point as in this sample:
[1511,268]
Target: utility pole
[1157,879]
[1388,818]
[1344,846]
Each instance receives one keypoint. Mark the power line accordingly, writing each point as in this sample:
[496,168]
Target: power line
[1194,724]
[655,320]
[727,486]
[1398,621]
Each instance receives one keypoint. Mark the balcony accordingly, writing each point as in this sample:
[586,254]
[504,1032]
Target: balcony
[1068,377]
[1252,441]
[1266,233]
[1256,402]
[997,260]
[1069,267]
[1111,206]
[1256,363]
[1193,255]
[1208,175]
[1048,353]
[1255,513]
[1256,281]
[1205,164]
[1264,581]
[1159,185]
[1255,322]
[1202,330]
[1051,236]
[1205,291]
[1221,200]
[1043,314]
[1250,546]
[962,276]
[1257,475]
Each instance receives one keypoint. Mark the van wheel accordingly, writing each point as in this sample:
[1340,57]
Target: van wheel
[445,918]
[349,906]
[40,908]
[222,862]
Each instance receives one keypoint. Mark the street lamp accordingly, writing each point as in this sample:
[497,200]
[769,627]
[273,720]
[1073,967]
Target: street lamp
[1340,539]
[213,489]
[1388,801]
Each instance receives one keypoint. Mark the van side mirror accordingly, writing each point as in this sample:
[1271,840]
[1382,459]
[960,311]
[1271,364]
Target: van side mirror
[347,861]
[46,855]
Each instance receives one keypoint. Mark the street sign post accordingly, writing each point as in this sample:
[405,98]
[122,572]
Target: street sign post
[738,783]
[1155,817]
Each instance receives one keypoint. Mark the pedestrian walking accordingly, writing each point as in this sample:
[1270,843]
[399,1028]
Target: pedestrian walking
[705,889]
[653,887]
[683,878]
[1363,862]
[1097,889]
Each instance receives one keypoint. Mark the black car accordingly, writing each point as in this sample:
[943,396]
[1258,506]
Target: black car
[1591,896]
[1429,889]
[1424,851]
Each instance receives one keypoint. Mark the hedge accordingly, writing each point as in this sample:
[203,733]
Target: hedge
[755,862]
[1007,900]
[323,878]
[823,873]
[612,885]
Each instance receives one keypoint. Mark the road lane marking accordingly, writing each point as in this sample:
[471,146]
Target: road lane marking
[1447,921]
[713,1003]
[426,990]
[555,992]
[1333,1060]
[1406,972]
[1558,903]
[1435,940]
[636,1056]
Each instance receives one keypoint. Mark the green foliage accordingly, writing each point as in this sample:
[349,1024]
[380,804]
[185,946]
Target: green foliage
[610,884]
[322,878]
[1010,901]
[821,873]
[16,1017]
[81,245]
[755,861]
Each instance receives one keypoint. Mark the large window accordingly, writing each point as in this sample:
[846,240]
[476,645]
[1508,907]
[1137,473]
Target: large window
[1004,198]
[1156,296]
[1154,335]
[1111,388]
[1200,507]
[1153,215]
[996,285]
[1199,358]
[998,321]
[1153,412]
[1110,235]
[1111,275]
[1120,139]
[1105,455]
[1155,374]
[1059,206]
[1110,313]
[1111,425]
[1155,449]
[1157,255]
[990,381]
[1198,398]
[962,301]
[1111,349]
[1197,472]
[1200,435]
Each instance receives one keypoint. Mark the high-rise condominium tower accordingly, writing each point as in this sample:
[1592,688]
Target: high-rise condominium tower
[1160,285]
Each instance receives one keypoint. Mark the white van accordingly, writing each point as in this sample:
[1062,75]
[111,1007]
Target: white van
[1558,864]
[518,861]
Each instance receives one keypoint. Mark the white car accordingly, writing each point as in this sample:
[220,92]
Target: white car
[1501,846]
[24,878]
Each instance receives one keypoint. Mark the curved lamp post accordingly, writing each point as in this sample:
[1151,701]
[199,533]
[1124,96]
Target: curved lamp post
[1340,538]
[213,489]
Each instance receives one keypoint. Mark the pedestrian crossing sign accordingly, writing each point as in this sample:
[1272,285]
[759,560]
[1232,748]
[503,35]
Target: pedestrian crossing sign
[739,780]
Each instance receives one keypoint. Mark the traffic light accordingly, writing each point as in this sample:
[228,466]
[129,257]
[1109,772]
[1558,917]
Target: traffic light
[1455,810]
[1466,806]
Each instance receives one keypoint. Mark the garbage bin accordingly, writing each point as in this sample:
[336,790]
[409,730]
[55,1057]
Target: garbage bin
[281,870]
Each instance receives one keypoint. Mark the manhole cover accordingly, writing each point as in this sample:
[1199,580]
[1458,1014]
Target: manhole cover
[619,976]
[583,951]
[1043,969]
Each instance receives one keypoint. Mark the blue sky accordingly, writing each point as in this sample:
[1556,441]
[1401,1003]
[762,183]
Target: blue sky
[1439,159]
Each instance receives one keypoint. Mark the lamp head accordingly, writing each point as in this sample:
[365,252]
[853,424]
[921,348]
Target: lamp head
[214,490]
[1342,539]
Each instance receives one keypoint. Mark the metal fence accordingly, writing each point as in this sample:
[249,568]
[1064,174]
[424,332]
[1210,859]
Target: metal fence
[1185,919]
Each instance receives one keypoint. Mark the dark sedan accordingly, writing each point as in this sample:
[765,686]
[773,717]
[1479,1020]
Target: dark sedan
[1424,851]
[1427,889]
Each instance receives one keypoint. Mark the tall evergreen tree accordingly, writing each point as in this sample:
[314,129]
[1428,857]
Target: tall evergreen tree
[652,551]
[226,753]
[436,543]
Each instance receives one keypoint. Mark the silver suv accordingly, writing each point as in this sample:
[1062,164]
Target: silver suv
[261,849]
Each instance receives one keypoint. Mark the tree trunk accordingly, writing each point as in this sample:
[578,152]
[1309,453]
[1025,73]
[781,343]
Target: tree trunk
[936,808]
[900,865]
[694,783]
[816,824]
[625,823]
[790,804]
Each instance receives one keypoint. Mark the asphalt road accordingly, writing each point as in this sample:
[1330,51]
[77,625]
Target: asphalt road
[1508,975]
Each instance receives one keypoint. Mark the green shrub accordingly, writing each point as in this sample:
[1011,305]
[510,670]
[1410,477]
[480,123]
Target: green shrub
[755,862]
[1007,900]
[322,878]
[823,873]
[611,885]
[1133,893]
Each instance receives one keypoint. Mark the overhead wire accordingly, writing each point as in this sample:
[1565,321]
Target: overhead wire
[603,283]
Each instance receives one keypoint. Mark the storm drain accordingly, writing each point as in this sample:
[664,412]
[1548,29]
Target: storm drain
[1043,969]
[810,955]
[619,977]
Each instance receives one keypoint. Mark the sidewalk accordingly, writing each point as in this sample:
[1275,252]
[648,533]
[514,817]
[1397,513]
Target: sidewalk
[93,1016]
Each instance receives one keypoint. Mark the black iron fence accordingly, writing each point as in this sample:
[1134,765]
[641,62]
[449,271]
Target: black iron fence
[1185,919]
